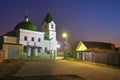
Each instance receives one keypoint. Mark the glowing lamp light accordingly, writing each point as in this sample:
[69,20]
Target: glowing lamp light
[64,35]
[58,46]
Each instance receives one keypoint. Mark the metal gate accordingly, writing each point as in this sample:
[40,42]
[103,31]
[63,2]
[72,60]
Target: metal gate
[13,52]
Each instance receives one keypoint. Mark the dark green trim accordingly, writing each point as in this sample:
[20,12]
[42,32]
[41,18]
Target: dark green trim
[46,38]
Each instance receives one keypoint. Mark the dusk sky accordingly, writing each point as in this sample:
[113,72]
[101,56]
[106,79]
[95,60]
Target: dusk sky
[89,20]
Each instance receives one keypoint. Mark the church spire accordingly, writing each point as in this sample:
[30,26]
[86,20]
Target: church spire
[26,16]
[48,18]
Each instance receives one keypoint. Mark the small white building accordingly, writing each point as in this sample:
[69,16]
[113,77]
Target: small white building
[30,40]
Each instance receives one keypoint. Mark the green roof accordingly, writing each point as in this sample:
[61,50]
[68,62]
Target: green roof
[26,25]
[11,33]
[48,18]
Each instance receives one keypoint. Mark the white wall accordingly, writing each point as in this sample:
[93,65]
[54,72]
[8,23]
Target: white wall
[50,26]
[43,43]
[29,35]
[51,32]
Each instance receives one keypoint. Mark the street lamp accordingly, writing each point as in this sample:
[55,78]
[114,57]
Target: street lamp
[65,35]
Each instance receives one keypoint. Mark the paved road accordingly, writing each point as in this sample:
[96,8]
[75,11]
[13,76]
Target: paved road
[67,69]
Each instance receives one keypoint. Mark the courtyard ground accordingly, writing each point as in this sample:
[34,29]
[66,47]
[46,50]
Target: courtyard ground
[64,70]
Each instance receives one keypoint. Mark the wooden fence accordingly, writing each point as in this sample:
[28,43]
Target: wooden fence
[2,55]
[105,58]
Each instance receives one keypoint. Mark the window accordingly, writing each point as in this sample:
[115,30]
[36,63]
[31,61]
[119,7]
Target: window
[52,26]
[25,49]
[39,39]
[25,38]
[45,49]
[32,39]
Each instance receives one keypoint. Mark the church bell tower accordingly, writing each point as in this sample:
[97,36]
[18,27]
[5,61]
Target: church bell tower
[49,27]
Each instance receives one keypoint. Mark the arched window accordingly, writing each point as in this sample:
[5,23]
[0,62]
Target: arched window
[52,26]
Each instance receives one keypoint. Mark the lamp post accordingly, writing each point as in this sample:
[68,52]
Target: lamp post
[65,35]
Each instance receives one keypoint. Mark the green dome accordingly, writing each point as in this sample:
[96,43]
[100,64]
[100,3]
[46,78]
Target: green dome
[26,25]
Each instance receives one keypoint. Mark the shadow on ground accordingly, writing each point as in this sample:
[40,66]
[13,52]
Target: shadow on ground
[48,77]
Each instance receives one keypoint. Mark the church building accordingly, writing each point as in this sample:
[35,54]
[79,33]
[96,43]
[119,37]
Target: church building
[27,41]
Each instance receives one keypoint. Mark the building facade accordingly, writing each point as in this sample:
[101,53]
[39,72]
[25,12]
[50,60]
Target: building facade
[97,47]
[27,40]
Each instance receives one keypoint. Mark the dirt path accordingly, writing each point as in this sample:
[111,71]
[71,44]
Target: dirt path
[61,69]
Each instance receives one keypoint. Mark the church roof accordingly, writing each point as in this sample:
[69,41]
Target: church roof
[48,18]
[26,25]
[11,33]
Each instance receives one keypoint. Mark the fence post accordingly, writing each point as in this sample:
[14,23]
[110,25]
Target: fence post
[83,57]
[78,55]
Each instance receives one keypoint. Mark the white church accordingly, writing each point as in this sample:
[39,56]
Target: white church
[27,40]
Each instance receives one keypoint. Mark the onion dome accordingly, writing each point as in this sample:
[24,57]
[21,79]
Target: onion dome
[26,25]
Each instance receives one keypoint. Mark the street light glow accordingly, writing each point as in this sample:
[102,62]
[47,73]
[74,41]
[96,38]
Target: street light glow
[64,35]
[58,46]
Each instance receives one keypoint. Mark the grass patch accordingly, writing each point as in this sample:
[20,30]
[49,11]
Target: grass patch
[10,67]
